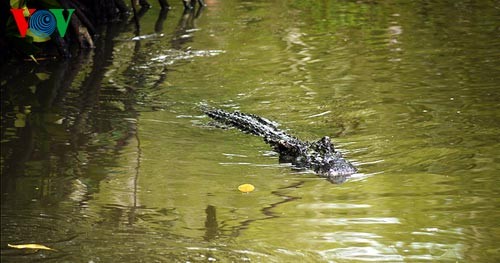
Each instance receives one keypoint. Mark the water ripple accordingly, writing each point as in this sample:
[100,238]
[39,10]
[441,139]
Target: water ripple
[355,221]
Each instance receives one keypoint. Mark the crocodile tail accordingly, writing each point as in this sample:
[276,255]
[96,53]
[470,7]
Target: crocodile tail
[248,123]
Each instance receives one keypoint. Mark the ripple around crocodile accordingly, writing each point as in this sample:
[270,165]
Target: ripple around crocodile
[319,156]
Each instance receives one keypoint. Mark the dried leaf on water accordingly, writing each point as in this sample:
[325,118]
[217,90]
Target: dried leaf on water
[30,246]
[246,188]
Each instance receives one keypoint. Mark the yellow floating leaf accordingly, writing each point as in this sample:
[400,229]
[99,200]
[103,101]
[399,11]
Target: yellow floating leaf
[30,246]
[246,188]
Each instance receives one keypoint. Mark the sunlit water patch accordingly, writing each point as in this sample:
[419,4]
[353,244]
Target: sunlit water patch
[171,56]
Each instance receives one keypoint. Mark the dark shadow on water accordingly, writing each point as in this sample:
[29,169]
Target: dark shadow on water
[63,126]
[211,225]
[53,113]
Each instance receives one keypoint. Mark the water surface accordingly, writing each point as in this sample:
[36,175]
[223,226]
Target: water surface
[107,157]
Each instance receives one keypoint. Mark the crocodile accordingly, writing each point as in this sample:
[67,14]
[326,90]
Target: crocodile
[319,156]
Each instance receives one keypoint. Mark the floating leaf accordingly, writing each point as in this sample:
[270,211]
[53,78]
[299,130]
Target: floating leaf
[246,188]
[42,76]
[33,89]
[27,109]
[30,246]
[20,121]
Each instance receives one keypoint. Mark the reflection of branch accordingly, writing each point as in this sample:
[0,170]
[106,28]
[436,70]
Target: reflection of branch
[158,28]
[138,165]
[268,211]
[163,4]
[132,214]
[81,112]
[91,86]
[160,20]
[286,198]
[190,4]
[135,57]
[211,225]
[186,23]
[48,95]
[136,19]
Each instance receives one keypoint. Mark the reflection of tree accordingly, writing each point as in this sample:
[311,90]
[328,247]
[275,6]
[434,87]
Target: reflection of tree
[70,130]
[268,211]
[133,70]
[211,225]
[215,230]
[183,33]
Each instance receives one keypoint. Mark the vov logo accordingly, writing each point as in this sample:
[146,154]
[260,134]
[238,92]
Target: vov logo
[41,23]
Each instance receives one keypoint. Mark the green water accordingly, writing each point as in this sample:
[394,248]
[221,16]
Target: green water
[107,157]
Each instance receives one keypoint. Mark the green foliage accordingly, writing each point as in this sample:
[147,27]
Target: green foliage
[17,3]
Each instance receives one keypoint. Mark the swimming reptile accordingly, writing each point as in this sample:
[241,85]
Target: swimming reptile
[319,156]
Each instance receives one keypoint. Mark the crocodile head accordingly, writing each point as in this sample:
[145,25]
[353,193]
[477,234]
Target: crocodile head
[334,166]
[328,162]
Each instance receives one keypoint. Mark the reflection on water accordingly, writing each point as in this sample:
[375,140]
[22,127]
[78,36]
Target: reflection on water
[106,157]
